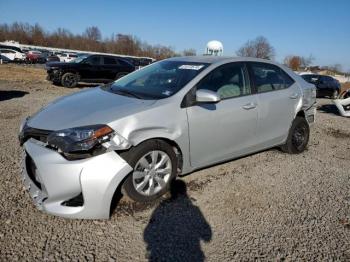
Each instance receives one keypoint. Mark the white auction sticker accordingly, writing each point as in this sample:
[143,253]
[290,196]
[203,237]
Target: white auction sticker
[191,67]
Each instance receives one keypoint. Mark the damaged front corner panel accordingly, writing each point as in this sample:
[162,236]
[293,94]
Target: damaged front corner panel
[341,105]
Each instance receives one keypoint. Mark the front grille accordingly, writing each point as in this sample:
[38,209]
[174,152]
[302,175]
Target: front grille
[31,170]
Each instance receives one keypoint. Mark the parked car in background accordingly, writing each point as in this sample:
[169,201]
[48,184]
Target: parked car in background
[325,85]
[139,62]
[90,68]
[15,48]
[34,56]
[52,58]
[67,57]
[12,55]
[172,117]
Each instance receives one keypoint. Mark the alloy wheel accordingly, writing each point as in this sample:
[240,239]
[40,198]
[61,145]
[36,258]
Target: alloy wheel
[152,173]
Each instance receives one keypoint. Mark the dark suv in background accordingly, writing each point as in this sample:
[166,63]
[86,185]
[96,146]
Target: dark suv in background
[88,68]
[325,85]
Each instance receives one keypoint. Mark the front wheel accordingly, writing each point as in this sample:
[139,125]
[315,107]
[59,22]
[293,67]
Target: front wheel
[298,136]
[69,80]
[120,75]
[154,165]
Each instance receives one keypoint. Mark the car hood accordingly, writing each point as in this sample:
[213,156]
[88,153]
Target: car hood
[88,107]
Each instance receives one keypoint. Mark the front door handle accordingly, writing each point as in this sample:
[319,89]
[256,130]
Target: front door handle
[294,96]
[249,106]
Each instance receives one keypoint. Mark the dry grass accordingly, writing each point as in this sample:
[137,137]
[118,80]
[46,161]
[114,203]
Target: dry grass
[23,73]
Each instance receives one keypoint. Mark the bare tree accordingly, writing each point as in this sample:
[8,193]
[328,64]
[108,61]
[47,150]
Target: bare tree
[259,47]
[89,40]
[307,61]
[297,62]
[189,52]
[336,67]
[294,62]
[93,33]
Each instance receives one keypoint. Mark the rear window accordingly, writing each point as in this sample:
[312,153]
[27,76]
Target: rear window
[124,62]
[109,61]
[268,77]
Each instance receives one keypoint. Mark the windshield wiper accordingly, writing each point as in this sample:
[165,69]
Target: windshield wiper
[126,92]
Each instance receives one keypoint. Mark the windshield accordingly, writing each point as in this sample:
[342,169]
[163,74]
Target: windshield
[159,80]
[78,59]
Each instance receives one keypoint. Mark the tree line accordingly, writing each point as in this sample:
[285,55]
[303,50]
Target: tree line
[90,40]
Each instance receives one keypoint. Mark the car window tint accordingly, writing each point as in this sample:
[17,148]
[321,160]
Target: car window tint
[109,61]
[227,80]
[269,77]
[124,63]
[329,79]
[95,60]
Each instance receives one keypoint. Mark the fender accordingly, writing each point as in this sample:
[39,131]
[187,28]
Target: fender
[179,139]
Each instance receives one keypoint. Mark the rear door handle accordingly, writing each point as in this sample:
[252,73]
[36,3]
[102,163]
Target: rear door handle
[294,96]
[249,106]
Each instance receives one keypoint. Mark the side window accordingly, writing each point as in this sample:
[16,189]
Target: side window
[109,60]
[227,80]
[269,77]
[123,62]
[95,60]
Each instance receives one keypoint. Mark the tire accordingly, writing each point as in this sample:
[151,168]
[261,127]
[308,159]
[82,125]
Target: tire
[69,80]
[120,75]
[335,94]
[151,184]
[298,137]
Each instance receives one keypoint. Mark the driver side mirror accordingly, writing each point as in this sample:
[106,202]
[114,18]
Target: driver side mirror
[207,96]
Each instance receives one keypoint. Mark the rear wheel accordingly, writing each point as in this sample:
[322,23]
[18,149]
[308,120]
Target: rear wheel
[69,80]
[155,166]
[298,136]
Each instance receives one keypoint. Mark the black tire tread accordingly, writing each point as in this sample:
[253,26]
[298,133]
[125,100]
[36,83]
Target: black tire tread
[288,147]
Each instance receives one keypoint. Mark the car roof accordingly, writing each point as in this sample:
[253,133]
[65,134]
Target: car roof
[219,59]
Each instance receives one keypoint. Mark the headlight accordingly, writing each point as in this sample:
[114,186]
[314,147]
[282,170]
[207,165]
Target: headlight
[83,139]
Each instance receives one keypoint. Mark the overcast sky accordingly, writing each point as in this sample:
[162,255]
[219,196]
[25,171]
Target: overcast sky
[320,28]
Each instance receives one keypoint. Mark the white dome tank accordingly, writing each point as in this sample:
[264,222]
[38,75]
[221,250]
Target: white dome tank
[215,48]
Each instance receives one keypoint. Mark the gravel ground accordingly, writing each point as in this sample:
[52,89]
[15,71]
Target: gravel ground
[267,206]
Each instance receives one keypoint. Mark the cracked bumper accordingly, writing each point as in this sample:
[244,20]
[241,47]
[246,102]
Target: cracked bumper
[56,180]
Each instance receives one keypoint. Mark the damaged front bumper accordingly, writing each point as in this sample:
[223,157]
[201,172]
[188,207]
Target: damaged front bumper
[54,75]
[74,189]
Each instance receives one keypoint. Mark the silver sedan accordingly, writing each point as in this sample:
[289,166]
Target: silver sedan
[169,118]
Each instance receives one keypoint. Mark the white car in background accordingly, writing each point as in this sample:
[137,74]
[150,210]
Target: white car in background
[67,57]
[12,55]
